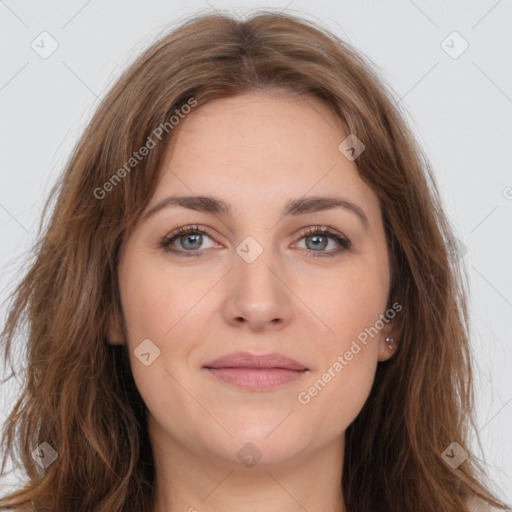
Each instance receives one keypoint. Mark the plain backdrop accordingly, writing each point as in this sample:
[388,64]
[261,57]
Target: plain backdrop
[449,62]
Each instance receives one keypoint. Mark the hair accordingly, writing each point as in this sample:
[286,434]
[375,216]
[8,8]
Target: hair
[78,393]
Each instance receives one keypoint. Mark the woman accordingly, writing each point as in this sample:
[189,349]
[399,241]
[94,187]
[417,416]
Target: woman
[247,296]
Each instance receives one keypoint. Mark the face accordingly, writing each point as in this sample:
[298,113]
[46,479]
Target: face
[248,276]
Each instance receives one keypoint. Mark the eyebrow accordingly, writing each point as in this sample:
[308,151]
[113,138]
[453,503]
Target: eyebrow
[208,204]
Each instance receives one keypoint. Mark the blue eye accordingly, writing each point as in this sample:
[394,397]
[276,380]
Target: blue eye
[191,239]
[320,237]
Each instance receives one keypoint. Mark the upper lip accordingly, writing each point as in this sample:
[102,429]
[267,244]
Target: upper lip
[247,360]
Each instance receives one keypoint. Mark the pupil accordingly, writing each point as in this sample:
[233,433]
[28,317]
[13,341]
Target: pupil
[322,246]
[198,241]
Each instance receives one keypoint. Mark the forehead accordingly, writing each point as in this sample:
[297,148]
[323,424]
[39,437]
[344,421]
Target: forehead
[263,148]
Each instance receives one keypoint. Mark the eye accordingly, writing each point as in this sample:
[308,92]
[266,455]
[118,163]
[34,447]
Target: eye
[190,238]
[317,238]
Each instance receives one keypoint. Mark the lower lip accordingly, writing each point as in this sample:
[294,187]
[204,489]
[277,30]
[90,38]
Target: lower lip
[256,378]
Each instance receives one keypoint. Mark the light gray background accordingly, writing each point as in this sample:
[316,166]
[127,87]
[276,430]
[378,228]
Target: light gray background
[460,109]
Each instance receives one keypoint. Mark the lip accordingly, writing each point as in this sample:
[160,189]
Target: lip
[248,360]
[256,372]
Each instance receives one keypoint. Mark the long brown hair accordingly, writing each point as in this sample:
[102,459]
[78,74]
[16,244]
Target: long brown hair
[78,393]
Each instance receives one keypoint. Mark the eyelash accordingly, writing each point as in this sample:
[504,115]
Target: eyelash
[166,242]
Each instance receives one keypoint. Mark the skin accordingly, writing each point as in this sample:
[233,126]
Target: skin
[254,151]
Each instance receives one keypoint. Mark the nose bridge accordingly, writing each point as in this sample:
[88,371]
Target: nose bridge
[255,265]
[256,294]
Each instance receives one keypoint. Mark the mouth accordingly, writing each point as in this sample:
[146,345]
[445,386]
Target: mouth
[256,372]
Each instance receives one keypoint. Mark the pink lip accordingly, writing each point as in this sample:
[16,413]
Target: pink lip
[256,372]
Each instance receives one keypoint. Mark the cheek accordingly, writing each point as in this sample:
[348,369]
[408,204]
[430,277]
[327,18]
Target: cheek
[337,405]
[349,305]
[165,309]
[155,308]
[350,301]
[155,298]
[336,392]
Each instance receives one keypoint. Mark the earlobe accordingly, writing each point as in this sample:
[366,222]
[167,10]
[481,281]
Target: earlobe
[388,342]
[387,348]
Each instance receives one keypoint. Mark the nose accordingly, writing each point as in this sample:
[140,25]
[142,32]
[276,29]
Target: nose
[258,297]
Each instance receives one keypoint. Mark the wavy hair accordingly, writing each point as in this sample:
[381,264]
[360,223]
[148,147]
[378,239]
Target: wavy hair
[78,393]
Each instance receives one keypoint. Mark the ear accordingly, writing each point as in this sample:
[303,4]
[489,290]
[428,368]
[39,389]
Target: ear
[115,334]
[387,349]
